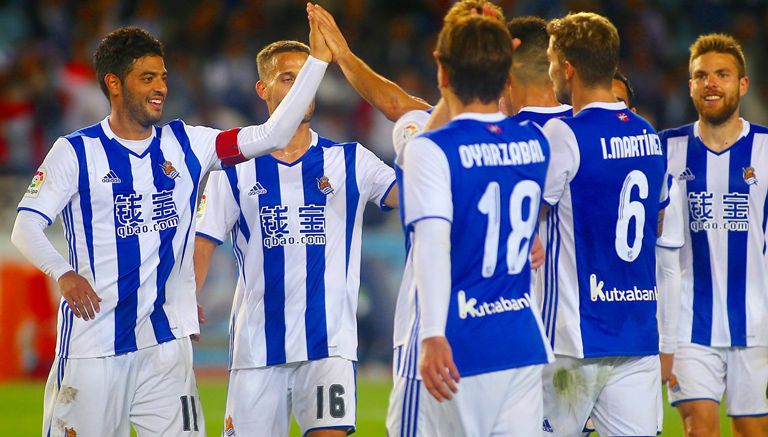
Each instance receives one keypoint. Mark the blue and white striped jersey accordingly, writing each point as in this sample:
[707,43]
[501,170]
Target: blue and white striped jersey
[724,290]
[606,185]
[129,223]
[483,173]
[542,114]
[297,234]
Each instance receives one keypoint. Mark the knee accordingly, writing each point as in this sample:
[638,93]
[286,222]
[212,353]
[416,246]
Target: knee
[701,429]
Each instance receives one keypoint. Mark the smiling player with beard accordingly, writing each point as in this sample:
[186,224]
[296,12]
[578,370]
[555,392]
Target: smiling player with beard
[719,162]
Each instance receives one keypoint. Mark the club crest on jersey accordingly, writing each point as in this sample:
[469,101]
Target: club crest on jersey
[37,182]
[749,176]
[494,128]
[169,170]
[111,178]
[686,175]
[622,116]
[257,189]
[324,185]
[229,428]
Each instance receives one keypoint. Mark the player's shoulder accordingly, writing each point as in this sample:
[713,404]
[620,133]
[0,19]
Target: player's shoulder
[92,131]
[758,128]
[681,131]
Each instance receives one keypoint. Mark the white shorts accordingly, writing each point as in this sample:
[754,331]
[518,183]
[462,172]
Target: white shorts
[504,403]
[321,394]
[153,388]
[620,394]
[703,372]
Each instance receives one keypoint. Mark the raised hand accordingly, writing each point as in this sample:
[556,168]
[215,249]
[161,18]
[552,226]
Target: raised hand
[331,32]
[77,291]
[438,371]
[318,48]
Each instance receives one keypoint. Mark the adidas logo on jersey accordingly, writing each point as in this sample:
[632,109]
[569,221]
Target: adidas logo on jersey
[111,178]
[472,308]
[257,189]
[686,175]
[616,295]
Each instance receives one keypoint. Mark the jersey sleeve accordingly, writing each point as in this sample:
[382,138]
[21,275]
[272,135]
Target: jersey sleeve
[202,140]
[54,183]
[564,159]
[426,182]
[408,126]
[672,235]
[378,178]
[218,210]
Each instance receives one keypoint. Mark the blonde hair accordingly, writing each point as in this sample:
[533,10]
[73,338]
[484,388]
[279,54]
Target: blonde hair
[465,7]
[264,58]
[590,42]
[719,43]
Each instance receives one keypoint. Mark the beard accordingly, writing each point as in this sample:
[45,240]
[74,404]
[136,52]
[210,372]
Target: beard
[138,111]
[718,116]
[308,116]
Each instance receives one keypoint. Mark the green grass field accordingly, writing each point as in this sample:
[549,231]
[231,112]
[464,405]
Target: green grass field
[21,409]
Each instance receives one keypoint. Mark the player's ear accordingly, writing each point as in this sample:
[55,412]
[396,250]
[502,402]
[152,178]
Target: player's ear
[261,90]
[568,70]
[114,84]
[743,86]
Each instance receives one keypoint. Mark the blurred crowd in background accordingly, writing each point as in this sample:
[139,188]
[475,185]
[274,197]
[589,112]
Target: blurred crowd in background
[48,86]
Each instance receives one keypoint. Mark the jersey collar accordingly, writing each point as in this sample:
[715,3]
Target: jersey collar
[744,129]
[611,106]
[485,117]
[546,109]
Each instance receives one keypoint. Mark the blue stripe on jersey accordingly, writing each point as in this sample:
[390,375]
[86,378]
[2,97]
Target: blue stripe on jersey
[194,169]
[274,268]
[696,159]
[232,178]
[765,223]
[740,157]
[164,185]
[353,194]
[127,250]
[312,169]
[238,253]
[84,190]
[556,265]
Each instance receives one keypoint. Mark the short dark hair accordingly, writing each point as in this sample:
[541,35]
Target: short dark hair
[590,42]
[267,53]
[476,52]
[631,96]
[530,63]
[120,49]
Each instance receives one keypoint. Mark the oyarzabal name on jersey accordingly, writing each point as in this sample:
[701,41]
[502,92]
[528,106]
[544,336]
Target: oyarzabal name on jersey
[615,295]
[501,154]
[631,146]
[472,308]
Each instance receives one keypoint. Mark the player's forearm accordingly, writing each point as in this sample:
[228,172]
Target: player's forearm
[382,93]
[668,277]
[29,237]
[258,140]
[432,267]
[202,260]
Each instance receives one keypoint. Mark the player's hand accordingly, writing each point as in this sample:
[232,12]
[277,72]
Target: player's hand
[666,366]
[331,32]
[200,320]
[537,253]
[77,291]
[318,49]
[437,368]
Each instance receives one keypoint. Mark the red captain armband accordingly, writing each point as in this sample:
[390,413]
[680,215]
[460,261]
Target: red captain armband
[227,149]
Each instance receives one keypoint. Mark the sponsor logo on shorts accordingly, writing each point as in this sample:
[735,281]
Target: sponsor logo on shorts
[615,295]
[37,182]
[501,305]
[70,432]
[546,426]
[229,429]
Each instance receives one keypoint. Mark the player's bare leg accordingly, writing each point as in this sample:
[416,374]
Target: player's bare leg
[701,418]
[327,433]
[750,426]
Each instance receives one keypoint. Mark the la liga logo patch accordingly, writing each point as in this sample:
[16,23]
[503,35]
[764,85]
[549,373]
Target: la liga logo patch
[33,190]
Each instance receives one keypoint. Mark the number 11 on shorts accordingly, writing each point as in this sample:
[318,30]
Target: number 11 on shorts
[335,401]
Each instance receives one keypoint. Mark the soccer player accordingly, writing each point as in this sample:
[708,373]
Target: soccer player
[472,190]
[529,94]
[722,342]
[295,217]
[126,190]
[623,91]
[605,185]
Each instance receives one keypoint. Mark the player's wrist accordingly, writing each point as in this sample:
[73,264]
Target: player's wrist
[63,273]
